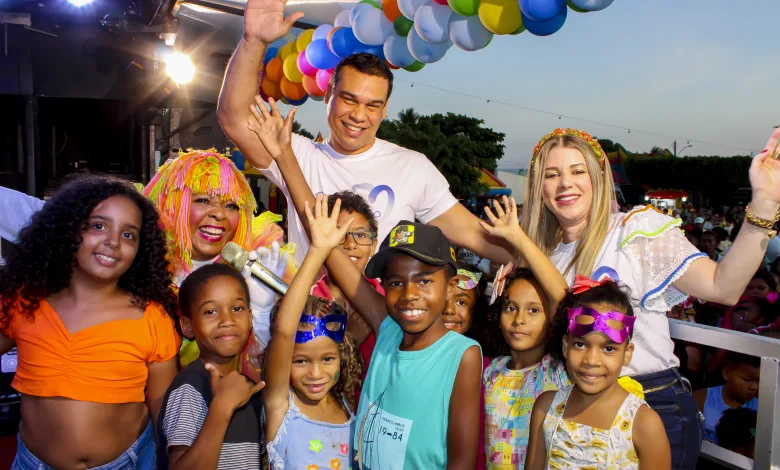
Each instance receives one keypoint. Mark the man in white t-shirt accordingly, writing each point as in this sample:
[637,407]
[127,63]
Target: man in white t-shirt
[398,183]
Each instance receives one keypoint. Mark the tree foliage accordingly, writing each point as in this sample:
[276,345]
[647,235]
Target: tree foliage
[460,146]
[300,130]
[710,175]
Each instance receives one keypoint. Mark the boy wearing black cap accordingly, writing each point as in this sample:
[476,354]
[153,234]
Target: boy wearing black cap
[421,395]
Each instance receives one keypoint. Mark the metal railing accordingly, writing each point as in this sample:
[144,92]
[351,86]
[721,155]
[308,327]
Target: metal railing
[767,450]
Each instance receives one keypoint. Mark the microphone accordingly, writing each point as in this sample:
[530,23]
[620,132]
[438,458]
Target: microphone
[239,258]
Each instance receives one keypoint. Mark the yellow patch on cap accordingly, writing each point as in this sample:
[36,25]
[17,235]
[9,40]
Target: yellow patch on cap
[402,235]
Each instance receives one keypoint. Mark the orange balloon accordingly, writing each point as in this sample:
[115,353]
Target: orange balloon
[390,7]
[310,85]
[274,70]
[292,91]
[271,89]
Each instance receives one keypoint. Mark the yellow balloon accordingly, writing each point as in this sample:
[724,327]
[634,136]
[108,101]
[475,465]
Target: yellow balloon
[304,39]
[500,16]
[282,54]
[290,68]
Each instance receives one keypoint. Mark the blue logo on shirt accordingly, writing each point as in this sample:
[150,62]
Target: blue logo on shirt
[373,194]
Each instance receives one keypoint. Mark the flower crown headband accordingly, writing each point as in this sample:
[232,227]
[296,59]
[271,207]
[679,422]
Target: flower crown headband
[572,132]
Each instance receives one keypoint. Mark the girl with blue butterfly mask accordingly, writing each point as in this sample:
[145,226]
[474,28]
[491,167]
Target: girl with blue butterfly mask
[313,366]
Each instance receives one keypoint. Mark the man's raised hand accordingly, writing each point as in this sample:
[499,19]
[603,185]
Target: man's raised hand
[264,20]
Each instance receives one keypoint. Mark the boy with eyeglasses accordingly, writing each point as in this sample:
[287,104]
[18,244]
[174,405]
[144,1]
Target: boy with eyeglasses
[359,244]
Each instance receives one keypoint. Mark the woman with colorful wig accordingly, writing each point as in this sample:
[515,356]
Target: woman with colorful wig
[568,214]
[205,202]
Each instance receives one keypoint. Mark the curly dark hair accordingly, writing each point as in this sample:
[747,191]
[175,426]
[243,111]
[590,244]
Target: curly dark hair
[351,203]
[349,355]
[617,297]
[42,263]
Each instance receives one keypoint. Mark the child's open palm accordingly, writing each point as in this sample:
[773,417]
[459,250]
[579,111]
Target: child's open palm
[504,222]
[274,132]
[325,232]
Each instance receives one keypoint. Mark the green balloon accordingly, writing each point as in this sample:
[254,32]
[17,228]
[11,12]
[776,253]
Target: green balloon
[575,7]
[415,67]
[518,30]
[372,3]
[464,7]
[403,25]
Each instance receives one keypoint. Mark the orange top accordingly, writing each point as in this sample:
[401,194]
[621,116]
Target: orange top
[105,363]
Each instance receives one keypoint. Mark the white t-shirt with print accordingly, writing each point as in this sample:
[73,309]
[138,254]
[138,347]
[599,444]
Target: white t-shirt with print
[398,183]
[646,252]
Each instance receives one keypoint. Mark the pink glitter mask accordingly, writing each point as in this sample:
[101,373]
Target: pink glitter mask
[600,323]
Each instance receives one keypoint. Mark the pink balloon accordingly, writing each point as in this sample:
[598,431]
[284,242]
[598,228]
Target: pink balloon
[323,78]
[305,67]
[441,2]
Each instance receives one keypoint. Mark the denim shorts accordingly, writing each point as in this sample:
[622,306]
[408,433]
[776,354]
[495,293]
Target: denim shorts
[140,456]
[671,398]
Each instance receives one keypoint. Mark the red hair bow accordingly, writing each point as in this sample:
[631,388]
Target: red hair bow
[584,284]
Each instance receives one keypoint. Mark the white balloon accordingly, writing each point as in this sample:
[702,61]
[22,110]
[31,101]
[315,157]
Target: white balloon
[423,51]
[409,7]
[432,22]
[357,9]
[371,27]
[397,52]
[467,32]
[342,19]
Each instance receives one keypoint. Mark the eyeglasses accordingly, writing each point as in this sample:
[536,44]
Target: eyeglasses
[361,238]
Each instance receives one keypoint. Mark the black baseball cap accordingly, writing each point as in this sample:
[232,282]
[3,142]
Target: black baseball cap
[423,242]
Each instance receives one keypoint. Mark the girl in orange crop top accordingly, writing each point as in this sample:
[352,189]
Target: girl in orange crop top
[87,300]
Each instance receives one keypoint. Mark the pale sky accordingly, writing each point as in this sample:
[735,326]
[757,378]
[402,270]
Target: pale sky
[688,69]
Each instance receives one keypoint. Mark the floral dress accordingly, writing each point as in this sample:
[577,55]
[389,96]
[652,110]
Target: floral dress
[573,445]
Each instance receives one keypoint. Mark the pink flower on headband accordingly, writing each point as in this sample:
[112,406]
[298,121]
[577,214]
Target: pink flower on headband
[772,297]
[584,284]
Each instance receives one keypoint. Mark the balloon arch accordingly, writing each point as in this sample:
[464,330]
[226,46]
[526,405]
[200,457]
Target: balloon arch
[406,34]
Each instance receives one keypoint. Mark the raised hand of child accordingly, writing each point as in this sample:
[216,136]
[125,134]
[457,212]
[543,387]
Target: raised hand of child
[325,232]
[503,223]
[232,391]
[274,131]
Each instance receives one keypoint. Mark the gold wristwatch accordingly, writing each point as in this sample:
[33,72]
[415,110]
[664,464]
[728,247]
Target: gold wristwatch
[763,223]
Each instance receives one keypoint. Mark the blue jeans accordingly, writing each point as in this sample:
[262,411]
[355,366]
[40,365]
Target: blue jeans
[140,456]
[679,413]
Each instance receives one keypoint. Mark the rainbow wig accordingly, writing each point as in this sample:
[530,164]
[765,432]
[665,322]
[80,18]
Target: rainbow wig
[198,172]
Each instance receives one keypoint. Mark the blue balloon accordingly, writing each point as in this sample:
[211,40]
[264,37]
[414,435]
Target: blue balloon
[343,43]
[298,102]
[592,5]
[545,28]
[270,53]
[541,10]
[321,32]
[374,50]
[319,55]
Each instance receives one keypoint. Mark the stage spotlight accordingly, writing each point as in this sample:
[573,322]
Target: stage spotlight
[179,67]
[79,3]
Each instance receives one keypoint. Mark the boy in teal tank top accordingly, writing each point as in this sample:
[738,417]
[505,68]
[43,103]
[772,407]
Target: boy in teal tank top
[419,408]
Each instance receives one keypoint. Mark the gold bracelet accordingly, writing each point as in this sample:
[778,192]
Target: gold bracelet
[762,223]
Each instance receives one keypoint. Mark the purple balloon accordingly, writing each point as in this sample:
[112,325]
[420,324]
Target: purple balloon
[319,55]
[305,67]
[323,79]
[541,10]
[545,28]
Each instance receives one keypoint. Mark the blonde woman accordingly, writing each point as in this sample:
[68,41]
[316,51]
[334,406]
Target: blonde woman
[568,214]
